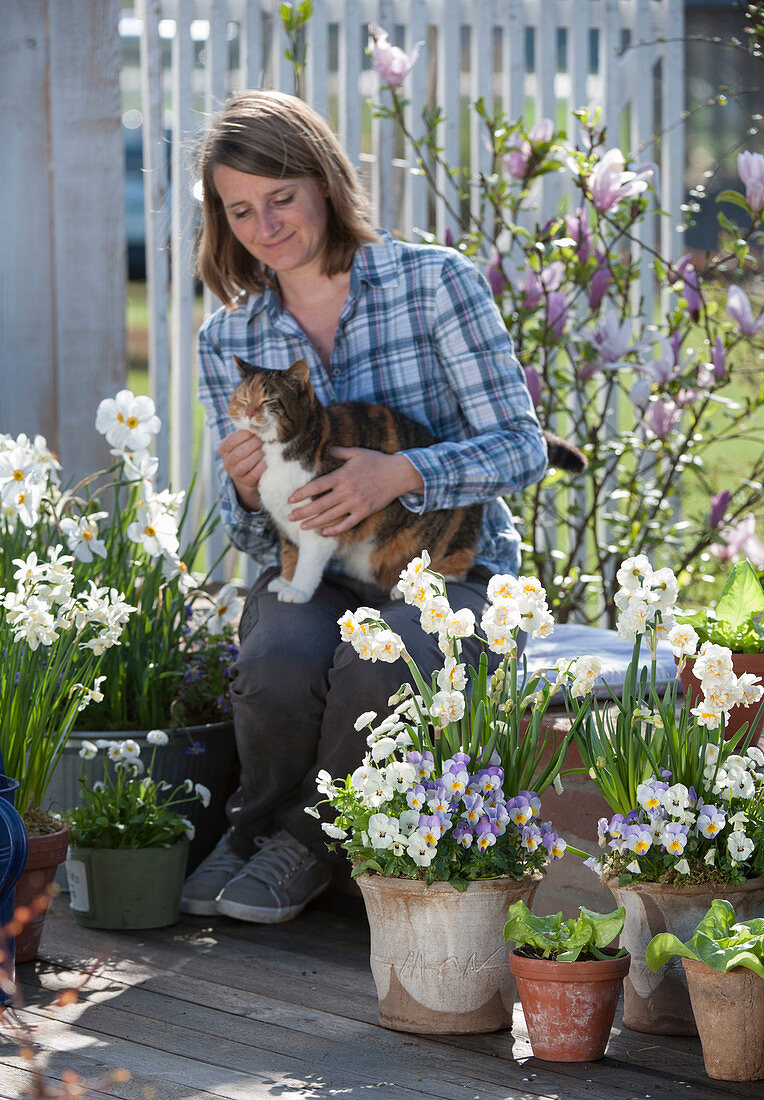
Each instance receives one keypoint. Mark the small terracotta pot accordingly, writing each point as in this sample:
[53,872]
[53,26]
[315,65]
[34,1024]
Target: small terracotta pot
[569,1006]
[741,662]
[729,1012]
[44,856]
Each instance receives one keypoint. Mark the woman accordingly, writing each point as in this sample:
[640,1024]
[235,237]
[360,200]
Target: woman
[288,247]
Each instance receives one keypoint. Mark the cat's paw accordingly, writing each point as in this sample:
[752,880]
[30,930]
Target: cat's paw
[290,594]
[277,584]
[395,592]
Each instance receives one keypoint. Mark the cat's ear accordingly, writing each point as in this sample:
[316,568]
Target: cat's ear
[246,370]
[299,373]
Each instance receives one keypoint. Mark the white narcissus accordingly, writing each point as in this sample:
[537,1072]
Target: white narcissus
[127,421]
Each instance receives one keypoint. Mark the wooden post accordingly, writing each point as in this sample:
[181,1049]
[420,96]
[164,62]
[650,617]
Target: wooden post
[62,231]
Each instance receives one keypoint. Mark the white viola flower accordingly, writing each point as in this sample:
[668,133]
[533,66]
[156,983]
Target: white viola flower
[380,832]
[419,851]
[82,536]
[399,845]
[739,846]
[382,748]
[741,784]
[682,867]
[751,689]
[434,614]
[387,646]
[325,783]
[712,661]
[128,421]
[676,799]
[364,719]
[634,571]
[157,737]
[460,624]
[203,794]
[400,775]
[754,754]
[453,676]
[503,586]
[683,640]
[408,822]
[710,857]
[376,792]
[155,530]
[363,772]
[447,706]
[738,820]
[88,750]
[227,609]
[334,831]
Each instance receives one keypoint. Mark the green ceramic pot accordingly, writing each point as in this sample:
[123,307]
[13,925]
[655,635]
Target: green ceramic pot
[126,887]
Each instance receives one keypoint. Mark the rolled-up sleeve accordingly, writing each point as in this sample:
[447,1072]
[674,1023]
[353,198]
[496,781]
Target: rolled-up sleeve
[505,450]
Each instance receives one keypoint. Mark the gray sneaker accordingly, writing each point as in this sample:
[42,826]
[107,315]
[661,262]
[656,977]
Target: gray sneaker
[205,883]
[276,884]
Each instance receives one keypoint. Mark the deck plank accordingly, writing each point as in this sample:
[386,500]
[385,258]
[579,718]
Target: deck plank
[213,1009]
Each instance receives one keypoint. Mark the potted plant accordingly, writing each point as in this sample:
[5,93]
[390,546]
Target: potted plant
[128,842]
[724,963]
[13,853]
[734,622]
[441,819]
[54,635]
[567,980]
[688,818]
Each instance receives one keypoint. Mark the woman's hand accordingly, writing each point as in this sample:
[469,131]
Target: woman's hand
[244,462]
[365,482]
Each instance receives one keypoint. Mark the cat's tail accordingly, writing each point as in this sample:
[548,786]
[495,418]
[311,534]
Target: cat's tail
[564,455]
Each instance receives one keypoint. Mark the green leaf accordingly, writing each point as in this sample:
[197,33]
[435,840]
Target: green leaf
[742,597]
[666,946]
[606,926]
[734,197]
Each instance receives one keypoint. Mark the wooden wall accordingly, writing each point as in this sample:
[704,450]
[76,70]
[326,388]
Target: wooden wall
[62,240]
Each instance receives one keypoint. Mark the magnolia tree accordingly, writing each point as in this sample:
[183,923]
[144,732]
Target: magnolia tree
[644,396]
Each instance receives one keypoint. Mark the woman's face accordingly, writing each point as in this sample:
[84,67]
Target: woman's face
[282,223]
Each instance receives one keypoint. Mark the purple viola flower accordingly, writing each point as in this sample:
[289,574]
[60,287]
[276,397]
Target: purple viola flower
[531,837]
[520,810]
[674,838]
[473,807]
[462,758]
[430,829]
[603,828]
[719,505]
[485,834]
[416,797]
[463,835]
[616,826]
[499,817]
[438,799]
[638,838]
[424,762]
[491,779]
[711,820]
[533,800]
[197,748]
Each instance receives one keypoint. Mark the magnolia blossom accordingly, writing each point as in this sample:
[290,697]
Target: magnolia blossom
[390,63]
[127,421]
[719,505]
[517,161]
[613,340]
[494,273]
[610,183]
[599,282]
[750,167]
[740,541]
[685,270]
[739,309]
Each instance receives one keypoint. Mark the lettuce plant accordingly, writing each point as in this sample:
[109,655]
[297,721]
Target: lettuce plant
[719,941]
[735,621]
[565,941]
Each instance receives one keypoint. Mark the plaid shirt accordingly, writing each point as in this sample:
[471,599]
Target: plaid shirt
[419,332]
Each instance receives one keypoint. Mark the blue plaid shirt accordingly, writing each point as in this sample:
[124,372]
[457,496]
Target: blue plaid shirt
[419,332]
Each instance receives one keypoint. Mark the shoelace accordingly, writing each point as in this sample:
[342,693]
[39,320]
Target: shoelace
[277,857]
[222,858]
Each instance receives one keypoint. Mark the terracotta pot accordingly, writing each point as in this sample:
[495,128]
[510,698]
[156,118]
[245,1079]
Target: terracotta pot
[569,1006]
[438,955]
[126,887]
[741,662]
[659,1004]
[729,1012]
[44,856]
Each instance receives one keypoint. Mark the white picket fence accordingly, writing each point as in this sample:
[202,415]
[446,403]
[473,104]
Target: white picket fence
[534,58]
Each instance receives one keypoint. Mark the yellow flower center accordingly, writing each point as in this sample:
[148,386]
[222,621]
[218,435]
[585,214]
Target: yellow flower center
[87,535]
[182,567]
[21,498]
[132,422]
[18,475]
[150,531]
[120,418]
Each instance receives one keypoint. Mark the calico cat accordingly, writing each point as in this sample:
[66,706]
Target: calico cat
[297,434]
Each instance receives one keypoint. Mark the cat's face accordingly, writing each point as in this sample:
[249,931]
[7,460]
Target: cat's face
[272,404]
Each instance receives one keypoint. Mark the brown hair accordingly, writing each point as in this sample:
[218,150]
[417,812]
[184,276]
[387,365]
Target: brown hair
[277,136]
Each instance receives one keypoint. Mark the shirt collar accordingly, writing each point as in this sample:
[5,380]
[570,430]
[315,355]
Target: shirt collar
[376,263]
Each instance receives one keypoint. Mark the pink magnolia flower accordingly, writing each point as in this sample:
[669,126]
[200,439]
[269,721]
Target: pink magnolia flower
[599,282]
[613,340]
[719,505]
[494,272]
[719,360]
[662,417]
[518,160]
[685,271]
[750,168]
[579,231]
[537,282]
[390,63]
[740,541]
[533,382]
[610,183]
[556,312]
[739,309]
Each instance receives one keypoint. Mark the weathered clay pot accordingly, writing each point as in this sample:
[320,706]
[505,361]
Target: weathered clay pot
[729,1012]
[741,662]
[659,1004]
[569,1006]
[438,955]
[44,856]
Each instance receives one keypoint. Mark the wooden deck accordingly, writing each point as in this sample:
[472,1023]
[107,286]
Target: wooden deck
[215,1008]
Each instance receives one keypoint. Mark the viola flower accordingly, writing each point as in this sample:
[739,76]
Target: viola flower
[127,421]
[415,797]
[739,846]
[739,309]
[711,820]
[390,63]
[463,835]
[674,837]
[421,854]
[485,834]
[638,838]
[380,832]
[750,167]
[610,183]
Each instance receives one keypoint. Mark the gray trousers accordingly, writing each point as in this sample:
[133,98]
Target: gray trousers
[297,691]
